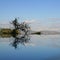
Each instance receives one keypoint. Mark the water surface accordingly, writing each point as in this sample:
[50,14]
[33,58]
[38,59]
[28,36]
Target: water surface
[33,47]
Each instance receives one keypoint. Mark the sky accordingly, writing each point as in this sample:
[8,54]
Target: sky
[44,13]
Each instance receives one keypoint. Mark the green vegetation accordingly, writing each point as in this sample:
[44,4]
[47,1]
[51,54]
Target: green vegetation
[8,32]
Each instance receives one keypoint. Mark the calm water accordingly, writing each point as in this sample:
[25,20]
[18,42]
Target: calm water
[34,47]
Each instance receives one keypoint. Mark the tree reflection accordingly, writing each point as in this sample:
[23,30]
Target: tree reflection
[22,40]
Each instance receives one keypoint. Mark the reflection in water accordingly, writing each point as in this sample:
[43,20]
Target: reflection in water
[22,39]
[44,47]
[36,40]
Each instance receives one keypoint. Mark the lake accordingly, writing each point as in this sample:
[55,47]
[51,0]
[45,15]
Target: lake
[33,47]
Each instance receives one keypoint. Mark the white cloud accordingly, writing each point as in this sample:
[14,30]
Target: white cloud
[53,18]
[30,21]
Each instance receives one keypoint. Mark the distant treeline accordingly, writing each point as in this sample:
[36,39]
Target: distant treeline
[36,33]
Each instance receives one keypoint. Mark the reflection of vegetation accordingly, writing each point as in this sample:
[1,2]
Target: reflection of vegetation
[5,35]
[23,39]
